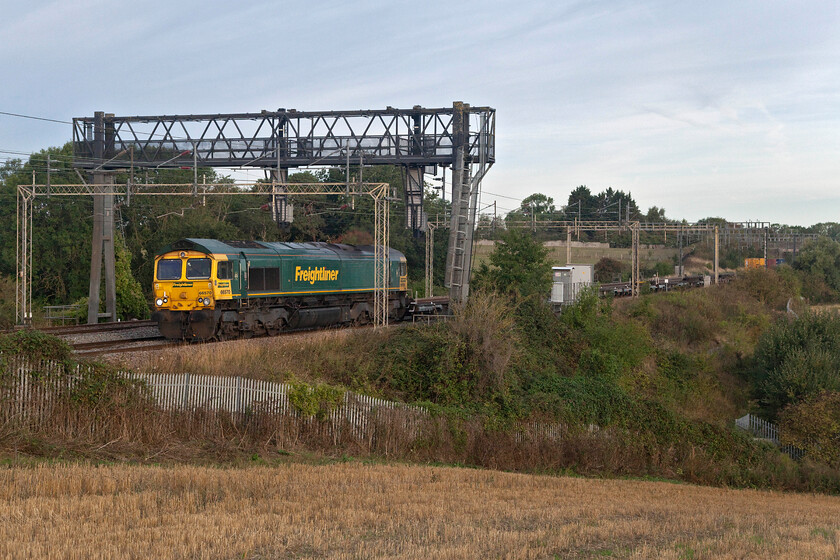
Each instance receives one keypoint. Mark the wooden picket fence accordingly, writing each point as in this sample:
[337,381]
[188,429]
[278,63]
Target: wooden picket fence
[243,397]
[30,389]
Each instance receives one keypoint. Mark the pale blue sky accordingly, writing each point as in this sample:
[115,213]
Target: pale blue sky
[703,108]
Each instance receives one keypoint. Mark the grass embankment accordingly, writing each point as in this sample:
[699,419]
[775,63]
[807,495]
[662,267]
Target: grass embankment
[663,377]
[353,510]
[644,388]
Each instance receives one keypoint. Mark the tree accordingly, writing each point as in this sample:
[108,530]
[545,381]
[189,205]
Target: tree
[814,426]
[581,204]
[608,205]
[796,360]
[820,260]
[829,229]
[518,266]
[537,205]
[655,214]
[131,303]
[608,270]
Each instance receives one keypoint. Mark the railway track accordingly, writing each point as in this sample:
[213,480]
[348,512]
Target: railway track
[142,344]
[143,336]
[97,328]
[111,338]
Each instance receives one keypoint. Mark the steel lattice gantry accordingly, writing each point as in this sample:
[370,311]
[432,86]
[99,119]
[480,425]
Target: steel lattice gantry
[27,193]
[419,139]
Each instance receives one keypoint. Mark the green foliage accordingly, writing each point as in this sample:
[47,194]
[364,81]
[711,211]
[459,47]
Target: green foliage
[820,260]
[60,227]
[518,265]
[585,311]
[608,346]
[102,387]
[538,204]
[663,268]
[771,287]
[687,318]
[797,359]
[317,400]
[130,300]
[36,345]
[590,400]
[814,426]
[676,366]
[603,206]
[609,270]
[99,388]
[7,301]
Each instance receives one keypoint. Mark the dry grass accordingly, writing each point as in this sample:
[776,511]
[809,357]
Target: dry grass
[369,511]
[272,358]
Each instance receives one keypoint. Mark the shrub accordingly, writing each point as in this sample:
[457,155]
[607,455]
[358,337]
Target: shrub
[797,359]
[814,426]
[518,265]
[768,286]
[821,257]
[317,400]
[36,345]
[610,270]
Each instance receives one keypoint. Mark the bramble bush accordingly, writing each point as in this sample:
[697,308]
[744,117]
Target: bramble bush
[814,426]
[797,359]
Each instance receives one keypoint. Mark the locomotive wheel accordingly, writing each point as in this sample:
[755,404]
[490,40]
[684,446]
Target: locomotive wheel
[362,319]
[225,331]
[276,328]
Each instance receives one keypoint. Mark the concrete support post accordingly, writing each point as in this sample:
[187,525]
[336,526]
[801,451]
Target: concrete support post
[717,244]
[108,250]
[281,211]
[103,225]
[568,245]
[430,258]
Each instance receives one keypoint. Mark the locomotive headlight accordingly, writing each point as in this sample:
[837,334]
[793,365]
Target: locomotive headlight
[207,301]
[158,302]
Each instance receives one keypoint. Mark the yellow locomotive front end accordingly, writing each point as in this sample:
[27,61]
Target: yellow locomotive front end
[186,289]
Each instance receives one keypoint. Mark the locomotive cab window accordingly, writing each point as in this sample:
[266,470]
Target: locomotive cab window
[225,270]
[198,269]
[169,269]
[403,269]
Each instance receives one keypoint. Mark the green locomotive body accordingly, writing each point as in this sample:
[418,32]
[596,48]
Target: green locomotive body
[205,288]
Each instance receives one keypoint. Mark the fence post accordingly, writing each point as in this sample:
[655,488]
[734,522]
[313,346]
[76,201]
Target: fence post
[185,402]
[238,403]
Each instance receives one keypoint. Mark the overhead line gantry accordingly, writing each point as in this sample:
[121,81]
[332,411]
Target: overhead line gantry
[418,139]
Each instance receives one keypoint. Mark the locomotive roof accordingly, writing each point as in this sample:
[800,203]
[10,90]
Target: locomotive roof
[211,246]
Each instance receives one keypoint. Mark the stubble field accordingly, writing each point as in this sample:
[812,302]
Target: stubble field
[354,510]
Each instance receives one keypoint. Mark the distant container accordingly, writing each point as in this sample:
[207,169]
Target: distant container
[773,263]
[567,281]
[755,263]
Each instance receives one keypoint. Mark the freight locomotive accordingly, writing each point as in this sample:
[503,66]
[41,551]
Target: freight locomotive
[208,289]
